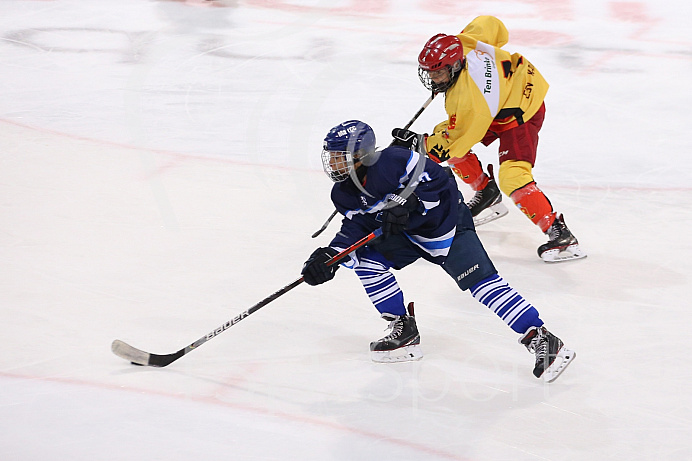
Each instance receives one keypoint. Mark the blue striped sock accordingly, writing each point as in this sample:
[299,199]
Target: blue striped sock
[381,286]
[509,305]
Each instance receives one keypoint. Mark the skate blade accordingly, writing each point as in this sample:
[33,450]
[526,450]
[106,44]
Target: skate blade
[403,354]
[566,254]
[490,214]
[562,360]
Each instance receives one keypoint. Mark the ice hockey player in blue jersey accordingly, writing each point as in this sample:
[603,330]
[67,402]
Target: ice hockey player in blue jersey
[422,215]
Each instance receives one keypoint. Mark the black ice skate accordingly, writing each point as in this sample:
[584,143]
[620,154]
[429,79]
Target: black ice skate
[552,357]
[486,205]
[561,245]
[402,344]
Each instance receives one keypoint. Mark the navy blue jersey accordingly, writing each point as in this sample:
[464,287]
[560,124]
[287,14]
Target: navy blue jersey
[431,227]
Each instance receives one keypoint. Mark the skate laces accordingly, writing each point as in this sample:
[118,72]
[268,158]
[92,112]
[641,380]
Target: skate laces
[489,192]
[558,230]
[397,326]
[555,231]
[476,199]
[538,345]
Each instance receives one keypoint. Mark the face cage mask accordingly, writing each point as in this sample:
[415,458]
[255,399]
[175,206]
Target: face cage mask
[338,164]
[428,82]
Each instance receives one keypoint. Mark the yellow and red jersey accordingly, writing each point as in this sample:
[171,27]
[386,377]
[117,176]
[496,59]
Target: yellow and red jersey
[495,90]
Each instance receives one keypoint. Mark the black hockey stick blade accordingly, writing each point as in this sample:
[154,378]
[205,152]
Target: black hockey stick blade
[139,357]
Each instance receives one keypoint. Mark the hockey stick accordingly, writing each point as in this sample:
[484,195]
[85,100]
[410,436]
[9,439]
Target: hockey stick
[326,223]
[420,111]
[139,357]
[406,127]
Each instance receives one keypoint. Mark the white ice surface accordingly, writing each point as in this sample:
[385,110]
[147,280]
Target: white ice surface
[159,174]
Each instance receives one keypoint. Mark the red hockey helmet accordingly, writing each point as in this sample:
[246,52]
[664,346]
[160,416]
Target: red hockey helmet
[441,52]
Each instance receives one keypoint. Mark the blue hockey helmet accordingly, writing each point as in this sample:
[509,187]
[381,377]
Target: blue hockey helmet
[346,144]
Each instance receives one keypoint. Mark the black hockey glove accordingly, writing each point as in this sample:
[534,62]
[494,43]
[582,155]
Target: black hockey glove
[407,138]
[394,219]
[315,270]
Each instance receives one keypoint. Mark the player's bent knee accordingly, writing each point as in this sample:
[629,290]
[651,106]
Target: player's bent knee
[467,262]
[513,175]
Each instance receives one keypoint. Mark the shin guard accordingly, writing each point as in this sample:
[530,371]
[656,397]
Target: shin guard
[470,170]
[535,205]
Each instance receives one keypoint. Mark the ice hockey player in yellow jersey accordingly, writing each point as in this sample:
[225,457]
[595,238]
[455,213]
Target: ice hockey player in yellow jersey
[491,94]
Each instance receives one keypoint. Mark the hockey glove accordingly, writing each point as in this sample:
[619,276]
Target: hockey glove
[409,139]
[315,270]
[438,154]
[394,219]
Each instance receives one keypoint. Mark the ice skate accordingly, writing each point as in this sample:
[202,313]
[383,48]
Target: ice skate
[561,245]
[486,204]
[552,357]
[402,344]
